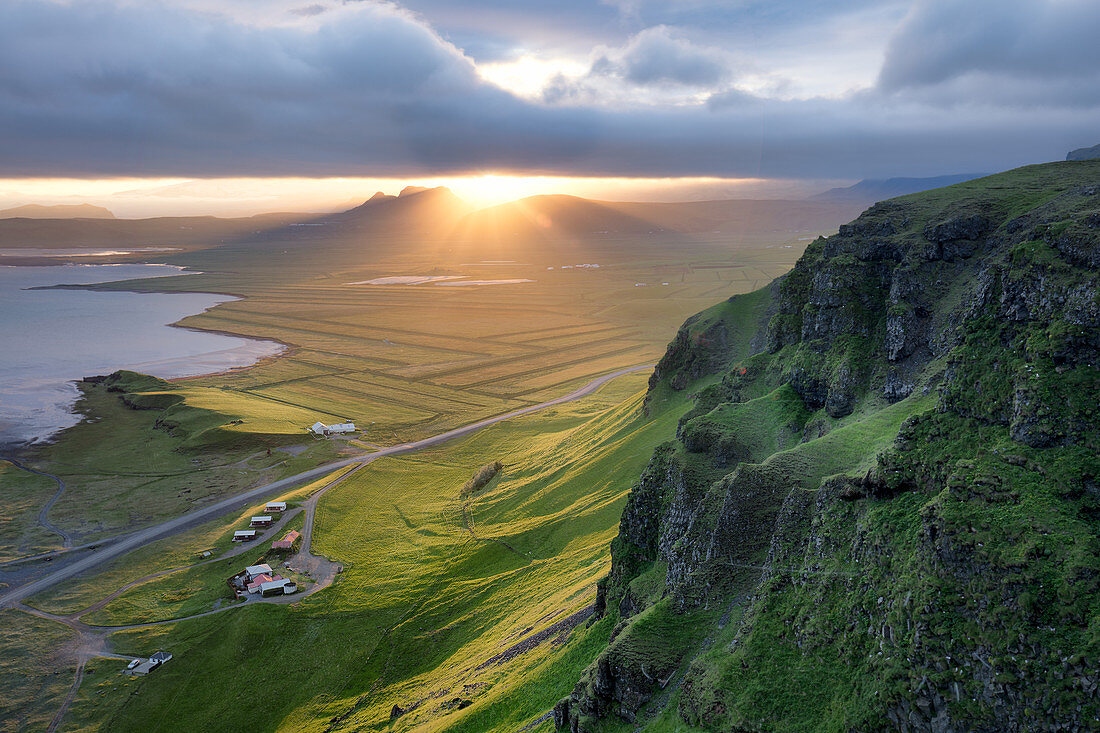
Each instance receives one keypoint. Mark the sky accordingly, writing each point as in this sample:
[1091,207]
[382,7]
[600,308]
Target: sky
[182,106]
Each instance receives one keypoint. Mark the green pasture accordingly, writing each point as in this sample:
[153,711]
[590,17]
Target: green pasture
[23,495]
[35,672]
[435,585]
[178,551]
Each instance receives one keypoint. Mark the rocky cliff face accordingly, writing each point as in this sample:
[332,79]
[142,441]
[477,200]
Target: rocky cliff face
[883,510]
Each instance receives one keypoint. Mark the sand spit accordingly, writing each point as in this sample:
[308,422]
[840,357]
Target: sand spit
[407,280]
[488,282]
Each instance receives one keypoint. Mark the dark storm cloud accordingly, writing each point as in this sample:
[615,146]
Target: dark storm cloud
[944,40]
[588,23]
[99,88]
[656,56]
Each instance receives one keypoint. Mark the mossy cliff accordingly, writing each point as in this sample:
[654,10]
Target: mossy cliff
[883,511]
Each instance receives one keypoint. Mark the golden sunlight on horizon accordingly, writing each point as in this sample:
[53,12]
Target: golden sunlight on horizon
[147,197]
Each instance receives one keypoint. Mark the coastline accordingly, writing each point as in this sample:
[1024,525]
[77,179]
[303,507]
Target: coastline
[287,347]
[245,352]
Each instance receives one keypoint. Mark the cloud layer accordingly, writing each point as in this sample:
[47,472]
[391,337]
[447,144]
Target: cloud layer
[102,87]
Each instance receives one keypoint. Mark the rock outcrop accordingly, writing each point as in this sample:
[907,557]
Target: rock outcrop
[884,504]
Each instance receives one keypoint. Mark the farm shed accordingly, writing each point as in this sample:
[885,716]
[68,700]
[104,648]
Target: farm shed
[264,521]
[244,535]
[287,542]
[319,428]
[278,587]
[275,506]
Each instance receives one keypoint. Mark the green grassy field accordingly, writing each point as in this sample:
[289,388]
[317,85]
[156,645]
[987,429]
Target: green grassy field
[405,362]
[177,551]
[24,495]
[435,586]
[35,671]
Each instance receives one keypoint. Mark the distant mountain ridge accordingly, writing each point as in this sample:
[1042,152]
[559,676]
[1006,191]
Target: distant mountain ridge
[1084,153]
[871,190]
[560,216]
[60,211]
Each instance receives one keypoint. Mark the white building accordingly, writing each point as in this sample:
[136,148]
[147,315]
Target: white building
[319,428]
[254,570]
[275,506]
[278,587]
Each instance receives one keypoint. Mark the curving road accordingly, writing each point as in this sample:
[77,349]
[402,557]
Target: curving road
[125,543]
[44,512]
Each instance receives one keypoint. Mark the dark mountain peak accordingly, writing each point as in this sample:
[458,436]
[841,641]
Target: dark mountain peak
[415,209]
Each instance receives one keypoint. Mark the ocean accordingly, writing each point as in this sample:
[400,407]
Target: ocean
[49,338]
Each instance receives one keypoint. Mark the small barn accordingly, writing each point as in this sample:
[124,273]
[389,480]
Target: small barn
[279,587]
[287,542]
[275,506]
[264,521]
[244,535]
[143,667]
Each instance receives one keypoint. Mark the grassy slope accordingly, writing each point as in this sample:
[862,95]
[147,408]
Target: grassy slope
[402,362]
[422,601]
[34,676]
[983,567]
[24,495]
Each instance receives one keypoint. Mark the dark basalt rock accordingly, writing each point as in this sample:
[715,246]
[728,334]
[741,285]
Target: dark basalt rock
[964,227]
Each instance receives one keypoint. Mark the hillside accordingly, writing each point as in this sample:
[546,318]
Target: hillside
[883,510]
[60,211]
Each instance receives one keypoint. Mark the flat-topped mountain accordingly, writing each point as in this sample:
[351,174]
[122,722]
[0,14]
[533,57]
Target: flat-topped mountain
[59,211]
[415,209]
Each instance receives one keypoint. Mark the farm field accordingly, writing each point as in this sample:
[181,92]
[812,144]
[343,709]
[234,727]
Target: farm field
[407,361]
[401,361]
[451,609]
[34,671]
[436,587]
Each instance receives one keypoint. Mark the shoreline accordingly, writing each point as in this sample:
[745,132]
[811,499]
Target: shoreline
[17,445]
[288,348]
